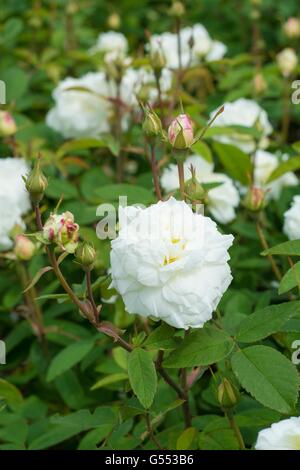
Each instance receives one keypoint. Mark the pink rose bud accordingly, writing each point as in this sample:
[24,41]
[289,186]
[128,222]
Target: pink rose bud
[62,230]
[255,199]
[292,28]
[181,133]
[24,248]
[7,124]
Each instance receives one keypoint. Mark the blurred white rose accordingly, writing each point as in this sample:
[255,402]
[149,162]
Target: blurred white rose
[14,199]
[82,112]
[287,61]
[203,47]
[142,81]
[246,113]
[265,164]
[222,200]
[284,435]
[111,41]
[291,225]
[170,263]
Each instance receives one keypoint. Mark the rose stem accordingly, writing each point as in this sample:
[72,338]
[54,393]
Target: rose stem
[154,170]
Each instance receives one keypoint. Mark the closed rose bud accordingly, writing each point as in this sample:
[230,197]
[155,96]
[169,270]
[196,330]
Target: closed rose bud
[36,183]
[255,199]
[62,230]
[181,133]
[287,61]
[193,189]
[228,394]
[177,9]
[158,60]
[7,124]
[85,255]
[24,249]
[292,28]
[260,84]
[152,124]
[114,21]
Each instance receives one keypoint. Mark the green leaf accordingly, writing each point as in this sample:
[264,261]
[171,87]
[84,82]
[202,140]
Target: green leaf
[134,194]
[162,338]
[218,436]
[79,144]
[292,164]
[68,357]
[142,376]
[58,187]
[201,148]
[17,82]
[201,348]
[187,439]
[236,162]
[65,427]
[268,376]
[91,181]
[110,379]
[291,279]
[37,277]
[10,393]
[265,322]
[290,248]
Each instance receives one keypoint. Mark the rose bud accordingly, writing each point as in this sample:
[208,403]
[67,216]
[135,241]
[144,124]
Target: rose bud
[7,124]
[228,394]
[24,249]
[61,229]
[193,189]
[152,124]
[85,255]
[255,199]
[177,9]
[292,28]
[181,133]
[36,183]
[158,61]
[287,61]
[259,83]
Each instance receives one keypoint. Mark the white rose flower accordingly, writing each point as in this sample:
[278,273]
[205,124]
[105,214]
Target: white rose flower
[9,217]
[111,41]
[14,199]
[222,200]
[287,61]
[12,184]
[292,220]
[246,113]
[170,263]
[135,79]
[265,164]
[204,47]
[284,435]
[79,113]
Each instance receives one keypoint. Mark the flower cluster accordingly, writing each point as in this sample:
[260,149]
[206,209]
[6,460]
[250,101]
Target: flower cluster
[196,47]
